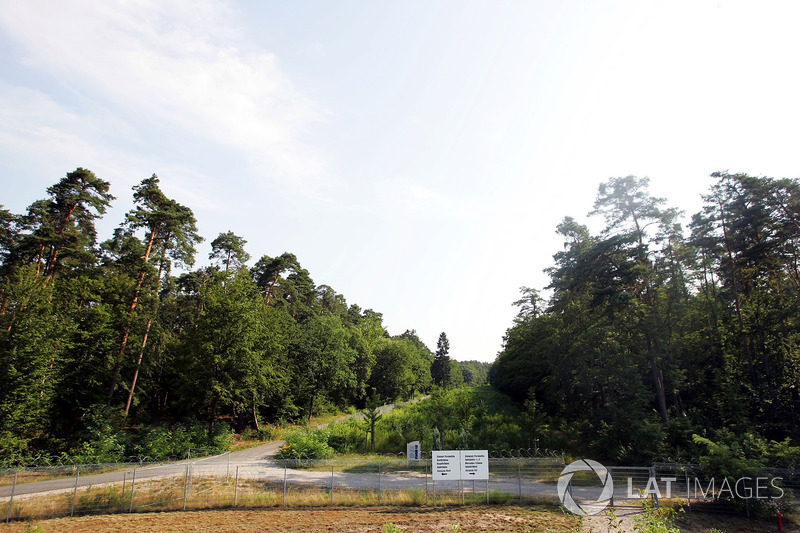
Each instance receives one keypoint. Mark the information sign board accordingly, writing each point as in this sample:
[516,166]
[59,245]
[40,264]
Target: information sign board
[412,451]
[460,464]
[475,464]
[446,465]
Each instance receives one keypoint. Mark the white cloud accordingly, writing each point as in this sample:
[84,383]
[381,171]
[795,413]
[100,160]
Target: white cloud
[173,65]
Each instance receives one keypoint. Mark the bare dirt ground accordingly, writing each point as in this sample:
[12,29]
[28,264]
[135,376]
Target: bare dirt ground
[337,520]
[498,519]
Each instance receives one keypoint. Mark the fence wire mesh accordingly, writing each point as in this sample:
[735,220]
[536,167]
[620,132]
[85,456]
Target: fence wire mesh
[217,482]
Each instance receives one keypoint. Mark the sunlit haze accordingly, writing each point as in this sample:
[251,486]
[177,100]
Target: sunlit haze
[416,156]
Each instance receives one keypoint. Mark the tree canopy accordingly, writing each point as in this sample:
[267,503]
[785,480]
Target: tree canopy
[651,336]
[98,337]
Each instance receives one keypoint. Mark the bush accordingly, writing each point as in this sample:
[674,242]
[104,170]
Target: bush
[164,442]
[103,440]
[347,436]
[654,519]
[747,456]
[306,444]
[264,433]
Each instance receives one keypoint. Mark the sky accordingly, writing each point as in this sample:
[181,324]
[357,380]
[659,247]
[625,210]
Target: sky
[415,156]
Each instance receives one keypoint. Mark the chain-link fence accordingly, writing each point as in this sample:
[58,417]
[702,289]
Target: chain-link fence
[218,482]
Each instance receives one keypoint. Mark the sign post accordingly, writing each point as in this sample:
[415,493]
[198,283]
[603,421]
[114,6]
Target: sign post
[460,465]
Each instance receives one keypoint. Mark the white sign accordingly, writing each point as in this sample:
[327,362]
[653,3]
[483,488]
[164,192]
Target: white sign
[446,465]
[412,451]
[465,464]
[475,464]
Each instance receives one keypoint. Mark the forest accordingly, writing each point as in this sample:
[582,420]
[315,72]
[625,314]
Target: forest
[108,347]
[657,342]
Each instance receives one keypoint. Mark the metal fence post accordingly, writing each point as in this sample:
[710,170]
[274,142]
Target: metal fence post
[185,485]
[228,473]
[688,492]
[519,479]
[122,497]
[75,492]
[426,483]
[191,476]
[236,488]
[284,483]
[11,499]
[379,482]
[331,484]
[133,488]
[652,474]
[608,472]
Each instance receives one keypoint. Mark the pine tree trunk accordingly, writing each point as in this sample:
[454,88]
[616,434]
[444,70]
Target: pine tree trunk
[255,412]
[138,365]
[129,325]
[146,333]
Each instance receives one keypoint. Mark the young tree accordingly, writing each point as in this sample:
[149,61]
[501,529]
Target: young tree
[372,414]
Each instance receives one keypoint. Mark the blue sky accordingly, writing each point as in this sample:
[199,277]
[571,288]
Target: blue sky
[415,156]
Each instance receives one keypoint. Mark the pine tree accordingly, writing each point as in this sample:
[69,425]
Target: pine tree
[440,369]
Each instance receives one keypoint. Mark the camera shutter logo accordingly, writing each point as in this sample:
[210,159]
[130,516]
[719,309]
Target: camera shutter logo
[565,492]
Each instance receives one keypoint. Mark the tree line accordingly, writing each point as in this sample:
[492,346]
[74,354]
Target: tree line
[659,342]
[129,331]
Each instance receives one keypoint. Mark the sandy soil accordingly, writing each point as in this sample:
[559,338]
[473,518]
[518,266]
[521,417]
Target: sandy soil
[337,520]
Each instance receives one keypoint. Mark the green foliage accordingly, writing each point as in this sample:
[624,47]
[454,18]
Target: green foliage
[82,326]
[655,519]
[306,444]
[103,440]
[264,433]
[650,336]
[372,414]
[347,436]
[393,374]
[733,458]
[463,418]
[441,370]
[165,442]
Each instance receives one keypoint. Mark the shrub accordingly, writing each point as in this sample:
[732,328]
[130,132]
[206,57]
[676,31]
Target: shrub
[306,444]
[103,440]
[163,442]
[264,433]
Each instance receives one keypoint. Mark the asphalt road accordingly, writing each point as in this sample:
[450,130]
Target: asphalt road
[256,459]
